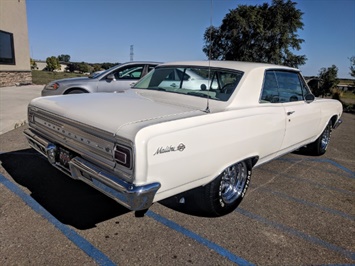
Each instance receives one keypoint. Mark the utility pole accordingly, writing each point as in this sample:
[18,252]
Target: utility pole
[131,53]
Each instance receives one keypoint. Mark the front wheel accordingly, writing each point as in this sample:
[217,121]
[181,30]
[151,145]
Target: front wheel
[319,147]
[225,193]
[76,91]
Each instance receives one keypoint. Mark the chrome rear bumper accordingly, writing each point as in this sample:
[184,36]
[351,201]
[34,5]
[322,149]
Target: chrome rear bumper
[129,195]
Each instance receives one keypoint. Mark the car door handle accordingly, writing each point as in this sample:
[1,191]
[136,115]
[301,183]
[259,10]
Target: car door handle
[290,112]
[173,85]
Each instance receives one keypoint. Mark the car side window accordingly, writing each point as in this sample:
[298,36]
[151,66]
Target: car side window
[283,87]
[270,92]
[130,72]
[290,88]
[305,89]
[182,75]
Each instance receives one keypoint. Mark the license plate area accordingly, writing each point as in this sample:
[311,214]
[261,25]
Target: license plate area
[64,157]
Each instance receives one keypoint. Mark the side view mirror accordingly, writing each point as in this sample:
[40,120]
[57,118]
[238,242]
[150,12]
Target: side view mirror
[111,77]
[309,98]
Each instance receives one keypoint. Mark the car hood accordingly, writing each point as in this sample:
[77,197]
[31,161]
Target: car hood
[121,113]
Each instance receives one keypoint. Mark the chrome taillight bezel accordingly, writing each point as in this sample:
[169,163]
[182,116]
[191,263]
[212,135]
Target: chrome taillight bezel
[123,155]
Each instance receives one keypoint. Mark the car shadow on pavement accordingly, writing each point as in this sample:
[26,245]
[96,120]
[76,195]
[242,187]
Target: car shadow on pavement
[70,201]
[187,202]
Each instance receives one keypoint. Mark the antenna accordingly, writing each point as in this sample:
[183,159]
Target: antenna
[207,110]
[131,53]
[211,24]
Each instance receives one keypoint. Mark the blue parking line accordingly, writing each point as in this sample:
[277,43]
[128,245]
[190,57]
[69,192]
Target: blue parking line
[220,250]
[80,242]
[292,231]
[309,181]
[321,160]
[307,203]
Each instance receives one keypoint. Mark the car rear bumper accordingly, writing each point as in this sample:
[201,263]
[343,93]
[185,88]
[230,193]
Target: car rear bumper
[127,194]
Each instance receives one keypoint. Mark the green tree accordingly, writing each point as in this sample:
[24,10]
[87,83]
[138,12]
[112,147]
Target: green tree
[84,68]
[64,58]
[96,67]
[33,64]
[352,66]
[72,67]
[328,78]
[260,33]
[108,65]
[52,63]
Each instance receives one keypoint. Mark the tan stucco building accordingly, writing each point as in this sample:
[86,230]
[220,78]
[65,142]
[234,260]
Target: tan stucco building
[14,46]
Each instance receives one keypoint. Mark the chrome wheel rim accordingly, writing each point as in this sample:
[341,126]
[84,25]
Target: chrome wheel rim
[325,138]
[233,182]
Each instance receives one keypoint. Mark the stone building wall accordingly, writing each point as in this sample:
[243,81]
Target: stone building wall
[15,61]
[14,78]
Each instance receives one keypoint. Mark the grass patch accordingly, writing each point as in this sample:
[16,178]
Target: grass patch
[43,77]
[348,95]
[346,81]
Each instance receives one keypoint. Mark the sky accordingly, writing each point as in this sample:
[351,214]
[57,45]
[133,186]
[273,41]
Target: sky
[97,31]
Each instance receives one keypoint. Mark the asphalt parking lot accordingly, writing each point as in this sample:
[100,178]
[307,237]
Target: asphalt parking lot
[299,210]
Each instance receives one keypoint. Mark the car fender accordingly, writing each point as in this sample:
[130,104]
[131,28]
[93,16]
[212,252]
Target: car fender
[331,110]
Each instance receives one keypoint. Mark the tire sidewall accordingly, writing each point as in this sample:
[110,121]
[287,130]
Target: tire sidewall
[221,207]
[319,150]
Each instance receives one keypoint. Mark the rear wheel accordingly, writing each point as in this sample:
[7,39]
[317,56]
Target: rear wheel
[225,193]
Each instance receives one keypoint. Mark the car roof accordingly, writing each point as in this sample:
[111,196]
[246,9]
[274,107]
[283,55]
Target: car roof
[236,65]
[140,62]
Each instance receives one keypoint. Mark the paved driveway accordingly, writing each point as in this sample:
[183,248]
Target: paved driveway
[13,105]
[299,210]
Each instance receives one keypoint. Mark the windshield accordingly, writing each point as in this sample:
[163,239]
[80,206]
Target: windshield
[216,84]
[102,72]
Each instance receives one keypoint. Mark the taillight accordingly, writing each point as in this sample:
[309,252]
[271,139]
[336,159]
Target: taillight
[123,156]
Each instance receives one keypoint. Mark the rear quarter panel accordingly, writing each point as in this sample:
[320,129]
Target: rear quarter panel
[211,143]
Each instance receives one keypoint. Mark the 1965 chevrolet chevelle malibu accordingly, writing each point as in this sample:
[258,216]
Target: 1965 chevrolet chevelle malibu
[185,125]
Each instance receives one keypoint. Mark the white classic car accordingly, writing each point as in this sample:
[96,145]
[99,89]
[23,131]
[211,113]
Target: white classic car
[162,138]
